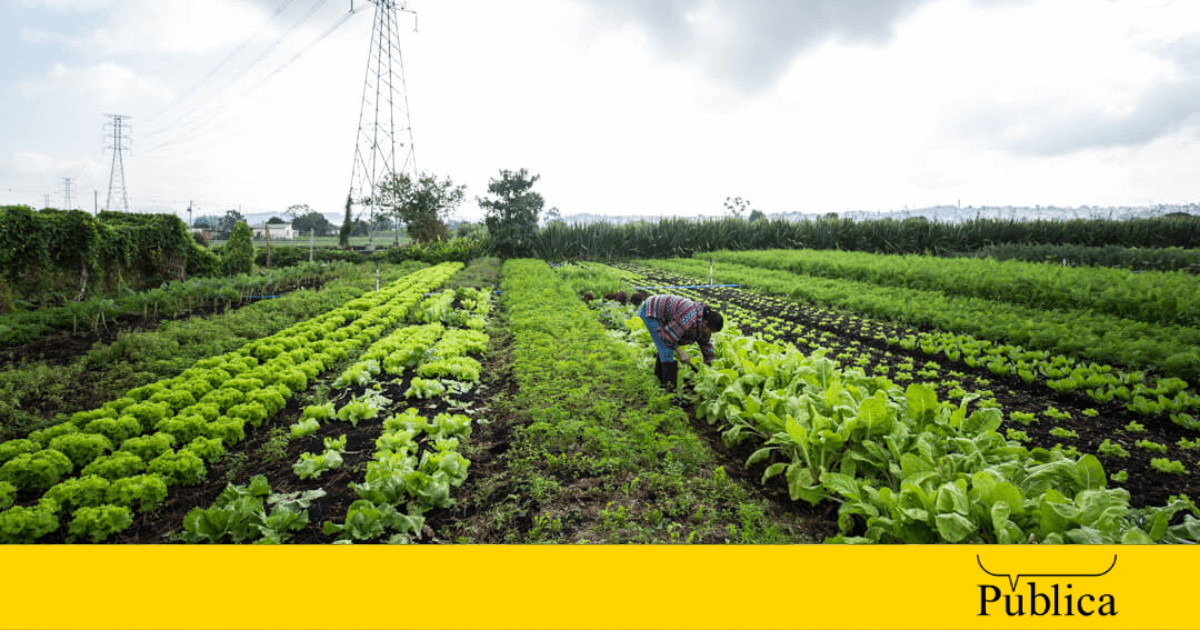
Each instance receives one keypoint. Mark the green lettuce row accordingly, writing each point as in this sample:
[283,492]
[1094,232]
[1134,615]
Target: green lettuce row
[976,317]
[1154,296]
[213,399]
[416,463]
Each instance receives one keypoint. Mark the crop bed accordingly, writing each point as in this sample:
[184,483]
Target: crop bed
[857,342]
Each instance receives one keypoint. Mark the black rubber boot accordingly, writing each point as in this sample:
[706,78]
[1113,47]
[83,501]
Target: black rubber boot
[658,369]
[670,375]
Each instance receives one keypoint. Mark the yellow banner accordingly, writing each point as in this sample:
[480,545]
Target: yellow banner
[598,587]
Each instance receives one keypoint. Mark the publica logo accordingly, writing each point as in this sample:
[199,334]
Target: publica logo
[1060,594]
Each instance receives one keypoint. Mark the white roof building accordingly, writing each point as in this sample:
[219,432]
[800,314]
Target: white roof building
[279,231]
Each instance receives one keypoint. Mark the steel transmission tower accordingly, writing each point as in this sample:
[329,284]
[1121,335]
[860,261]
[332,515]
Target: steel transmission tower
[383,121]
[118,137]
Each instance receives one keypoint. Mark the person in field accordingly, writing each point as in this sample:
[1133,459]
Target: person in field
[673,322]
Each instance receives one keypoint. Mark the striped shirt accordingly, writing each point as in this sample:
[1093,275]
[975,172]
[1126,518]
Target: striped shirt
[679,322]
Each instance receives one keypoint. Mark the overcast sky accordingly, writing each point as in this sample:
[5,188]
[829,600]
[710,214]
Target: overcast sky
[662,107]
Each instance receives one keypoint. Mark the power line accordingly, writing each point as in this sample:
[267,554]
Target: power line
[224,61]
[196,132]
[217,113]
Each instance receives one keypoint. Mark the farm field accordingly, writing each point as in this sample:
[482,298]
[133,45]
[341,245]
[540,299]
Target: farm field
[490,403]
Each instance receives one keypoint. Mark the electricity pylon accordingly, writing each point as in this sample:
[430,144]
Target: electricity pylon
[383,121]
[116,177]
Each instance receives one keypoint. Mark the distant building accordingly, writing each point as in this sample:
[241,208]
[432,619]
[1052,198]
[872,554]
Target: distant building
[279,231]
[204,233]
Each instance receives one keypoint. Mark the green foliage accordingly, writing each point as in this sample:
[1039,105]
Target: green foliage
[36,471]
[512,213]
[99,522]
[237,256]
[1112,449]
[142,492]
[81,448]
[8,494]
[114,466]
[1169,466]
[148,447]
[239,515]
[12,448]
[422,205]
[50,251]
[85,491]
[23,525]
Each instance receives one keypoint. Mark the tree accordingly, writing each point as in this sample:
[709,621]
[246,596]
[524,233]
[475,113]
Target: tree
[238,254]
[512,216]
[276,221]
[757,215]
[311,220]
[227,223]
[422,205]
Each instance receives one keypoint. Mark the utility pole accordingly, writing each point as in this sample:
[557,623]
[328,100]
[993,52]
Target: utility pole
[119,139]
[96,203]
[383,115]
[190,224]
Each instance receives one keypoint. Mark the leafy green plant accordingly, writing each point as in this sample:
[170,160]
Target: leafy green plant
[114,466]
[8,494]
[22,525]
[36,471]
[81,448]
[1061,432]
[311,465]
[97,523]
[422,388]
[1112,449]
[1023,417]
[183,467]
[1169,466]
[1151,446]
[304,428]
[142,492]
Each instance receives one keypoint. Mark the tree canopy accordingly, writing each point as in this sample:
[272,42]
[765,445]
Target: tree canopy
[422,205]
[512,213]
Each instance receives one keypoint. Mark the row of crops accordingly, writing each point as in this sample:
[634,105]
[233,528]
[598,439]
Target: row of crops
[376,421]
[92,473]
[904,466]
[1081,333]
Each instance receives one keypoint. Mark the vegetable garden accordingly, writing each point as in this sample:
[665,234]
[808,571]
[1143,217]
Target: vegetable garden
[855,398]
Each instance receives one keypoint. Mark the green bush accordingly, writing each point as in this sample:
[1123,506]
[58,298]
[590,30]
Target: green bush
[237,256]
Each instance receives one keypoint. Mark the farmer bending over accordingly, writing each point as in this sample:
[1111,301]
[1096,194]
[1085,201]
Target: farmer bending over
[674,321]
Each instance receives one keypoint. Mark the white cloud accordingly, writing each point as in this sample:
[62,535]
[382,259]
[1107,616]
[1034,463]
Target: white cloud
[107,85]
